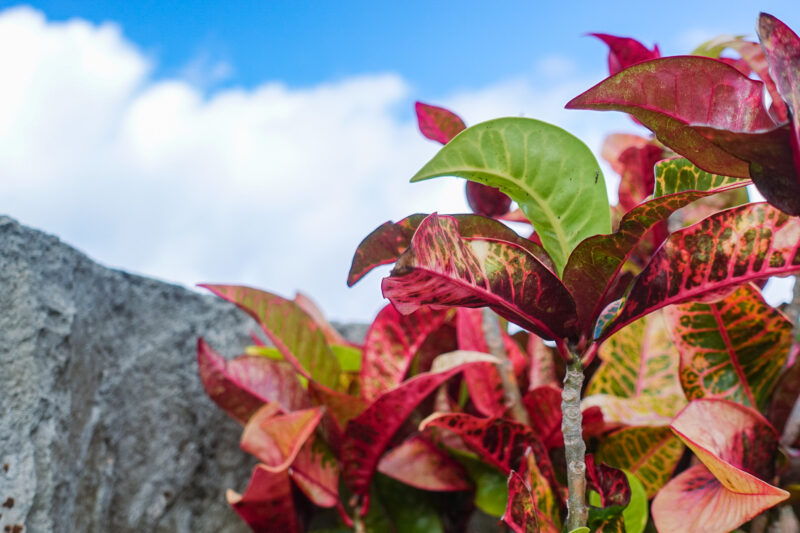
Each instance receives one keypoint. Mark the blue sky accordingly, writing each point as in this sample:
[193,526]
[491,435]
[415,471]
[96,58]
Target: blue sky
[258,142]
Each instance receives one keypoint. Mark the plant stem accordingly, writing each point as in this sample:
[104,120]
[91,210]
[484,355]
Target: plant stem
[574,447]
[494,341]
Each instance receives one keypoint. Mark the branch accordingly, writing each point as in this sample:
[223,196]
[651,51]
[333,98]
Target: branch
[574,447]
[494,341]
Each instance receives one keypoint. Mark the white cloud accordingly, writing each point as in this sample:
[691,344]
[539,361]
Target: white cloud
[272,187]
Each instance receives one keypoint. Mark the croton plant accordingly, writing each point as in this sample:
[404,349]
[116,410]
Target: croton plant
[688,419]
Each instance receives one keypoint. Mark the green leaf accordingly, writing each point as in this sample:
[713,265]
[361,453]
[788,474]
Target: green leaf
[636,513]
[491,487]
[581,530]
[551,174]
[410,510]
[348,356]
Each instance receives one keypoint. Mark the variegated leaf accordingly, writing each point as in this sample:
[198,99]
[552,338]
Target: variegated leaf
[443,269]
[597,261]
[733,348]
[266,504]
[650,453]
[275,439]
[315,471]
[723,251]
[520,515]
[299,338]
[552,175]
[609,482]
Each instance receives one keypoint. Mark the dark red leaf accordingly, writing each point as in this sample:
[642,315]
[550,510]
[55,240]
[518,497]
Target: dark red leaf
[624,52]
[437,123]
[266,505]
[609,482]
[487,201]
[241,386]
[442,268]
[367,435]
[390,345]
[543,405]
[723,251]
[638,176]
[671,94]
[383,246]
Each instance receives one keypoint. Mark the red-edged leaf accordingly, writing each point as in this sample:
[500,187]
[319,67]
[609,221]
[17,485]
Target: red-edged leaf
[548,504]
[543,405]
[391,343]
[649,453]
[266,504]
[443,269]
[437,123]
[670,94]
[610,483]
[383,246]
[498,442]
[624,52]
[315,471]
[296,335]
[487,201]
[520,514]
[597,261]
[723,251]
[419,463]
[732,349]
[367,435]
[241,386]
[737,448]
[276,439]
[483,381]
[311,309]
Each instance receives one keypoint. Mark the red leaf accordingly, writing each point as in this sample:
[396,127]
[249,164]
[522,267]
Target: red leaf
[624,52]
[543,405]
[437,123]
[391,344]
[295,334]
[368,434]
[723,251]
[671,94]
[266,504]
[315,471]
[520,514]
[498,442]
[276,439]
[597,261]
[241,386]
[487,201]
[610,483]
[419,463]
[542,369]
[753,55]
[483,381]
[638,176]
[441,268]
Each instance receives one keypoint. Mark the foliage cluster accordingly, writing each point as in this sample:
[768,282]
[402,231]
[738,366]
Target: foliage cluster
[691,377]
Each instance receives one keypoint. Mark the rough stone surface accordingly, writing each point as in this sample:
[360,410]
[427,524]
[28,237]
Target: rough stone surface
[104,425]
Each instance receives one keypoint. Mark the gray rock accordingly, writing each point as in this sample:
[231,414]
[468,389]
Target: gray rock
[104,425]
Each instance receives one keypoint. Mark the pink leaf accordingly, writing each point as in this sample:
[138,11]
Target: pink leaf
[315,471]
[266,504]
[441,268]
[483,381]
[624,52]
[275,439]
[437,123]
[241,386]
[520,514]
[419,463]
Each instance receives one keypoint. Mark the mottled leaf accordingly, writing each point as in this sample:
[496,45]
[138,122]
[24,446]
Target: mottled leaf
[487,201]
[367,435]
[417,462]
[736,446]
[670,94]
[597,261]
[732,349]
[299,338]
[650,453]
[548,504]
[315,471]
[723,251]
[552,175]
[241,386]
[610,483]
[385,244]
[390,345]
[442,269]
[437,123]
[275,439]
[266,504]
[624,52]
[520,515]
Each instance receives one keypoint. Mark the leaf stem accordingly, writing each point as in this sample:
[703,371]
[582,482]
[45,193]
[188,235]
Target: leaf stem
[574,447]
[494,341]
